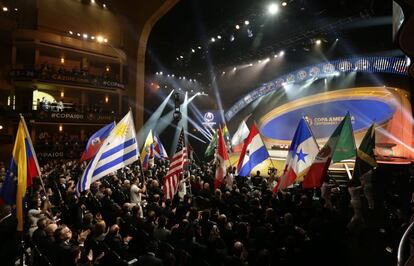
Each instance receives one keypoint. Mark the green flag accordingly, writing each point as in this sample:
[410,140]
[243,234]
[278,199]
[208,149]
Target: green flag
[345,147]
[365,159]
[212,146]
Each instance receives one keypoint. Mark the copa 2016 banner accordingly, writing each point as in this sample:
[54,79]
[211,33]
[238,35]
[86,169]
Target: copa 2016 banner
[389,108]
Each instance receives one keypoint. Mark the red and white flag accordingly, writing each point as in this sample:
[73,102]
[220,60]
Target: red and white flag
[221,157]
[178,161]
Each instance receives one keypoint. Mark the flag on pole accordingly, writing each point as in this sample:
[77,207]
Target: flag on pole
[221,157]
[302,152]
[119,149]
[254,152]
[147,153]
[159,151]
[240,135]
[24,167]
[178,161]
[365,160]
[95,141]
[212,146]
[227,139]
[341,137]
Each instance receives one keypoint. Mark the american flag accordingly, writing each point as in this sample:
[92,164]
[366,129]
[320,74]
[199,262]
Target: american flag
[176,168]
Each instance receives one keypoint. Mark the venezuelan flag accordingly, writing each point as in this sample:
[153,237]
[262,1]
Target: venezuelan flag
[24,167]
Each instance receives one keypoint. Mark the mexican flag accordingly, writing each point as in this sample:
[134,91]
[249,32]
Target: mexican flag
[340,146]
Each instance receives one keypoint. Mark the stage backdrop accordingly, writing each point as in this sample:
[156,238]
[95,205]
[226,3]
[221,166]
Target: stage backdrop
[388,107]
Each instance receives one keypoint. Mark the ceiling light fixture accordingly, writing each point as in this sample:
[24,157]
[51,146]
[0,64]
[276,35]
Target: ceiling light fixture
[246,22]
[272,9]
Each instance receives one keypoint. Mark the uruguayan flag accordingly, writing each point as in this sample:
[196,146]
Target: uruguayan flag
[119,149]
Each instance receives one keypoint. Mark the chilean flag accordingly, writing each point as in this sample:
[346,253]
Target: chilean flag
[159,151]
[301,154]
[95,141]
[254,152]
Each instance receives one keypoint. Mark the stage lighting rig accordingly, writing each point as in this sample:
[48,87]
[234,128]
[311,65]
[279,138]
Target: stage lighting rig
[177,102]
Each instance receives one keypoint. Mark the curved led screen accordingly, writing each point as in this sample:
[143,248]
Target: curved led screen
[324,117]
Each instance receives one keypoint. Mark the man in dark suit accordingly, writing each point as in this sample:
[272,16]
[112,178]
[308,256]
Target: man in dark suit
[8,236]
[149,259]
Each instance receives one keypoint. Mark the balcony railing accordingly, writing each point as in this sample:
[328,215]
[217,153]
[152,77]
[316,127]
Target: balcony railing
[66,77]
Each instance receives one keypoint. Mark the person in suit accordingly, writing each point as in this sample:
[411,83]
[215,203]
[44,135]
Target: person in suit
[8,235]
[149,258]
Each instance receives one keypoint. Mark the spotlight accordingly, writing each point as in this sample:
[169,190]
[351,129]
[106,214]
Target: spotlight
[100,39]
[104,5]
[16,9]
[234,68]
[246,22]
[199,47]
[156,73]
[78,34]
[336,39]
[5,9]
[168,75]
[93,1]
[213,39]
[172,75]
[160,72]
[93,37]
[105,40]
[260,61]
[272,8]
[282,53]
[85,36]
[223,73]
[178,58]
[231,38]
[284,4]
[251,64]
[71,32]
[192,50]
[275,56]
[237,27]
[181,56]
[219,37]
[318,42]
[1,127]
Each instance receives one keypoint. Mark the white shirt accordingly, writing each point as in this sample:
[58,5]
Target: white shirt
[135,194]
[182,188]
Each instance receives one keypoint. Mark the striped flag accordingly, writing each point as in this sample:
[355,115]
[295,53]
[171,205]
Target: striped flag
[159,150]
[24,167]
[178,161]
[95,141]
[147,153]
[119,149]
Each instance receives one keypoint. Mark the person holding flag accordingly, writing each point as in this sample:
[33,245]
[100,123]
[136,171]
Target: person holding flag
[118,150]
[25,168]
[95,141]
[174,174]
[302,152]
[340,146]
[221,158]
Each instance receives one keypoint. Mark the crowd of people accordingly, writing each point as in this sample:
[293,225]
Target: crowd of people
[124,219]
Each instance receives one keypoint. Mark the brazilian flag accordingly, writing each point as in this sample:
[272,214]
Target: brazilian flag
[365,159]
